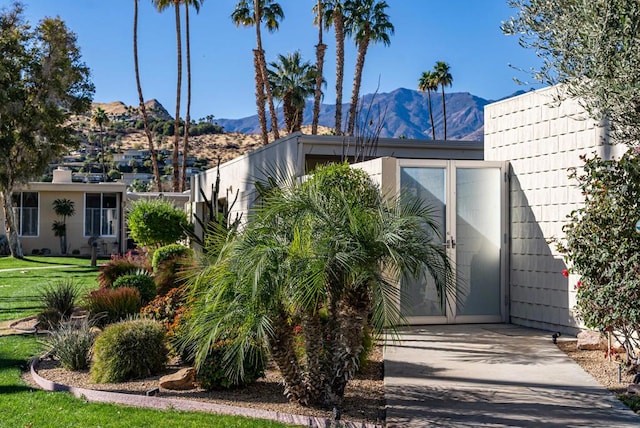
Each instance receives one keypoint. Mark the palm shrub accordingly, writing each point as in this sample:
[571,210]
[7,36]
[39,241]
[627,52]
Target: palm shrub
[141,282]
[326,254]
[212,373]
[129,350]
[108,305]
[71,345]
[57,301]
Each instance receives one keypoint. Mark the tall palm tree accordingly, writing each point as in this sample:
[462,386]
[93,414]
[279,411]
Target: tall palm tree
[368,22]
[443,78]
[100,118]
[325,255]
[253,13]
[161,5]
[320,48]
[292,81]
[142,106]
[334,16]
[187,121]
[427,83]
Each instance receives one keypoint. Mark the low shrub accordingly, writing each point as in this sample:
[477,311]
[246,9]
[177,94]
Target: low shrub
[71,345]
[167,263]
[212,374]
[129,350]
[108,305]
[121,265]
[168,310]
[57,302]
[141,282]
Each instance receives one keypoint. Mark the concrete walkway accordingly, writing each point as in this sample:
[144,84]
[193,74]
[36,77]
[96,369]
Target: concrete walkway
[492,375]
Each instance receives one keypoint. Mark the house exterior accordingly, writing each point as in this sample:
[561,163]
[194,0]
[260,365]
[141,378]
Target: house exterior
[542,138]
[99,216]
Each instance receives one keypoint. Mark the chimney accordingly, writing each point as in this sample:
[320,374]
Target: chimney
[62,175]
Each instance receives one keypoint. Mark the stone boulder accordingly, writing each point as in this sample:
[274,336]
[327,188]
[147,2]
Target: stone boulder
[591,340]
[180,380]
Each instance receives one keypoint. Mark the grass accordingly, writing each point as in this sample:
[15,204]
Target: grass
[23,406]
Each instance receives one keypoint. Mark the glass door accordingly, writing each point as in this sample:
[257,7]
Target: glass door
[468,200]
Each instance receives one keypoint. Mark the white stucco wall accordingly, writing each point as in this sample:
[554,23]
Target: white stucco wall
[542,139]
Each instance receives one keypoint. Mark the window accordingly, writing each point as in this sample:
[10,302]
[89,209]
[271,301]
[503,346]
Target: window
[25,210]
[101,214]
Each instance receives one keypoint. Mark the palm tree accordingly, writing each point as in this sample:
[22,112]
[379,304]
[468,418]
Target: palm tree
[187,121]
[443,78]
[427,82]
[161,5]
[292,82]
[63,208]
[100,118]
[143,109]
[334,16]
[369,23]
[320,48]
[325,255]
[253,14]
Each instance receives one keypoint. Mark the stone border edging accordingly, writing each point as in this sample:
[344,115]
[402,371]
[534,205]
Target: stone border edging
[13,325]
[163,403]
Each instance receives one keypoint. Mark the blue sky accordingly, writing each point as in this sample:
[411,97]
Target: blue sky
[464,33]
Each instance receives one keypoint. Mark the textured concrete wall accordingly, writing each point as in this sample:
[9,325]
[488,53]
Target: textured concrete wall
[541,138]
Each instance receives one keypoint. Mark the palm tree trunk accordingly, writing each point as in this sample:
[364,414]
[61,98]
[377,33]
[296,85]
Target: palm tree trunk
[176,131]
[444,113]
[320,48]
[262,63]
[314,338]
[262,115]
[338,24]
[433,126]
[355,93]
[185,139]
[143,109]
[282,349]
[15,247]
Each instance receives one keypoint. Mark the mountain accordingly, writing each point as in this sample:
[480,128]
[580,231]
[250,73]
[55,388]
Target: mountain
[118,108]
[403,112]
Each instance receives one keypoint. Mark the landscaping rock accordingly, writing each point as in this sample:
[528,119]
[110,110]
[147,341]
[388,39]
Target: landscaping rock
[591,340]
[633,388]
[180,380]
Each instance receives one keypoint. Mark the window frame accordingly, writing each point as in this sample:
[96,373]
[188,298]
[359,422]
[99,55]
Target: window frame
[102,216]
[18,212]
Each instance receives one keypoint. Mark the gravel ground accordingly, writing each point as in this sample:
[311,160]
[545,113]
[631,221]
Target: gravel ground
[363,402]
[598,365]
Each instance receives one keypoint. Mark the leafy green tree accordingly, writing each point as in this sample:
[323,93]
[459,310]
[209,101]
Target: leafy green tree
[292,81]
[324,256]
[427,83]
[593,49]
[601,246]
[443,77]
[368,22]
[43,82]
[253,13]
[156,222]
[63,208]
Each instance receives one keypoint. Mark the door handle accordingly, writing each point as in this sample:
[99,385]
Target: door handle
[450,243]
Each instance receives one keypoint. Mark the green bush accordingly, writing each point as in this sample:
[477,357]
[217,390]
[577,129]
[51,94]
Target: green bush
[141,282]
[129,350]
[120,265]
[167,263]
[71,345]
[156,222]
[212,374]
[108,305]
[57,301]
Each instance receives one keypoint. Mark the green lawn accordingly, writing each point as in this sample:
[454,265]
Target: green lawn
[22,406]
